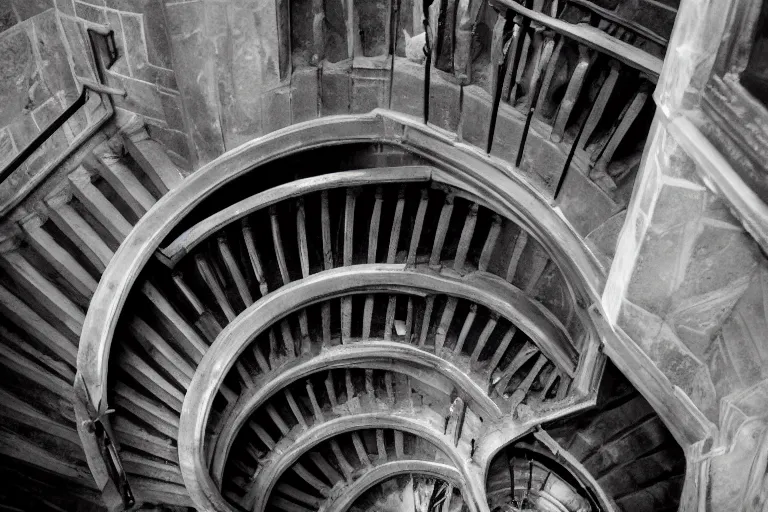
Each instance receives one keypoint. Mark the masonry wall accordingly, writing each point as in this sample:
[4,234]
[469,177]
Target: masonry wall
[36,85]
[144,67]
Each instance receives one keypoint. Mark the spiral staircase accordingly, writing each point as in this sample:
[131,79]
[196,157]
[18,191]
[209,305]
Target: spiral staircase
[393,310]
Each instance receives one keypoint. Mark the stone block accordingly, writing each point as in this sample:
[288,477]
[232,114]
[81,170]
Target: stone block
[194,66]
[174,141]
[304,94]
[542,162]
[659,267]
[658,340]
[7,149]
[698,319]
[11,185]
[54,58]
[739,354]
[137,54]
[63,6]
[90,12]
[267,44]
[368,94]
[676,204]
[141,98]
[277,109]
[7,16]
[408,88]
[158,46]
[720,255]
[24,130]
[17,67]
[237,71]
[684,370]
[508,133]
[29,8]
[475,113]
[444,102]
[729,472]
[78,45]
[336,91]
[47,113]
[172,110]
[605,237]
[583,203]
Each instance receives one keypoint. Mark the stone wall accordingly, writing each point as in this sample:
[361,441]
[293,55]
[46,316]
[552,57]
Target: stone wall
[36,85]
[144,67]
[689,284]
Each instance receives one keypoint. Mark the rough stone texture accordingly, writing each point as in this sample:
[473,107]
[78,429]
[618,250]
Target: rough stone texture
[305,95]
[408,88]
[444,102]
[370,89]
[144,67]
[237,69]
[193,57]
[684,264]
[36,85]
[277,109]
[336,91]
[475,109]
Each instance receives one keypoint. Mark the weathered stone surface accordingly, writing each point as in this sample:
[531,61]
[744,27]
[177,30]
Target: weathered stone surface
[28,8]
[729,472]
[176,143]
[158,46]
[54,63]
[542,162]
[408,88]
[475,113]
[508,132]
[172,110]
[584,216]
[7,150]
[368,94]
[604,237]
[192,52]
[141,98]
[738,357]
[7,15]
[277,109]
[90,12]
[16,74]
[304,95]
[237,70]
[78,46]
[444,102]
[336,91]
[65,6]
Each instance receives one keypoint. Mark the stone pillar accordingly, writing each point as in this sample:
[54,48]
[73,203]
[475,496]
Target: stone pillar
[689,284]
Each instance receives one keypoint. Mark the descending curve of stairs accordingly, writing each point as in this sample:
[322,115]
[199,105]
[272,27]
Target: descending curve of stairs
[466,323]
